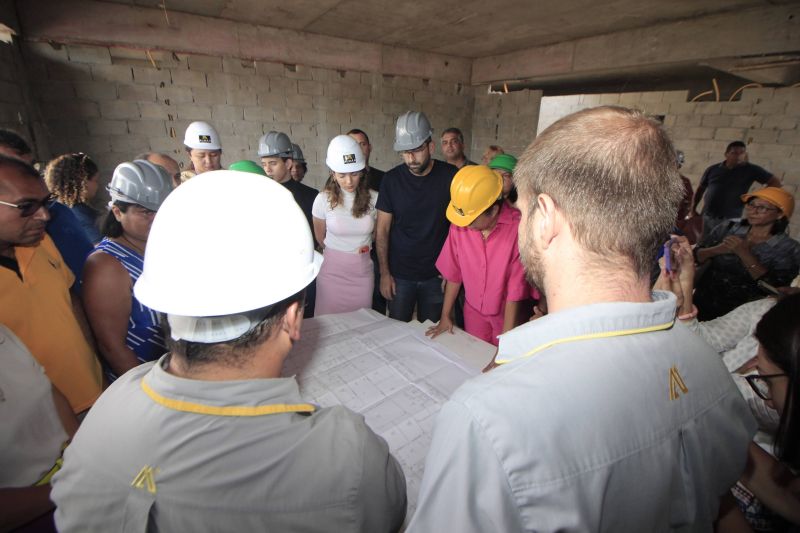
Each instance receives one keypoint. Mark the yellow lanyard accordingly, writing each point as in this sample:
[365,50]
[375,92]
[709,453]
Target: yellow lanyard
[232,410]
[601,335]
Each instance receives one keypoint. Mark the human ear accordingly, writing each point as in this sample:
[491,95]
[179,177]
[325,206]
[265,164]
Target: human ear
[293,320]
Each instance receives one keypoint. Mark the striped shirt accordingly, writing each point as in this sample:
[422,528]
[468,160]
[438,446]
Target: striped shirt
[144,335]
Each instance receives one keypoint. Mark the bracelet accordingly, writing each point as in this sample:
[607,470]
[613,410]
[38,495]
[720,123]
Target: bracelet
[689,316]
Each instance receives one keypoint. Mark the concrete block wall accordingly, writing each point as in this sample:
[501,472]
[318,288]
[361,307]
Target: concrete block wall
[114,102]
[13,113]
[509,120]
[767,120]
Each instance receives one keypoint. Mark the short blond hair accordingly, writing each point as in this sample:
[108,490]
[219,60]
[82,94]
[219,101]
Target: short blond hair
[611,172]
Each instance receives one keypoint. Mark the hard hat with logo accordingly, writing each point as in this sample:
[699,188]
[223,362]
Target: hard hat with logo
[140,182]
[345,155]
[474,189]
[202,136]
[411,131]
[297,154]
[505,162]
[263,254]
[274,144]
[245,165]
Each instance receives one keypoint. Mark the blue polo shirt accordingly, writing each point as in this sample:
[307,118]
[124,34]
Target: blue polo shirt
[725,186]
[419,224]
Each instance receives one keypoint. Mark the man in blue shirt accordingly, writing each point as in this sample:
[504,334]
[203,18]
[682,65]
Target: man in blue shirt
[724,183]
[412,226]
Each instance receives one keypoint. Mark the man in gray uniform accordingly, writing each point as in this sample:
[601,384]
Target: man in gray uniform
[603,415]
[210,437]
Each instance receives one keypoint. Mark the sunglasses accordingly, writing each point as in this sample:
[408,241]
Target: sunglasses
[29,207]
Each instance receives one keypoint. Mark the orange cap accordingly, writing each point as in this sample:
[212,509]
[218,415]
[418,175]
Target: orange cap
[777,196]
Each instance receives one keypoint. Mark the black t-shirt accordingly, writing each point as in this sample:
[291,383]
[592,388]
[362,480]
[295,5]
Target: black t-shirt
[374,178]
[304,196]
[725,186]
[419,224]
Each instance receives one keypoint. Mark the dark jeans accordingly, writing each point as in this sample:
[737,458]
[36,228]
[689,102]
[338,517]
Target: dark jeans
[378,301]
[426,295]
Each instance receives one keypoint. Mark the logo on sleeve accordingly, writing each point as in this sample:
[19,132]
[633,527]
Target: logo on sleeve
[676,384]
[349,159]
[146,479]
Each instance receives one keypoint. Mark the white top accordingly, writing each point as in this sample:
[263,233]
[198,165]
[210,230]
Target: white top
[32,434]
[605,418]
[344,232]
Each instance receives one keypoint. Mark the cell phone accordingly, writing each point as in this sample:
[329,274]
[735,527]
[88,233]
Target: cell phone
[766,287]
[668,256]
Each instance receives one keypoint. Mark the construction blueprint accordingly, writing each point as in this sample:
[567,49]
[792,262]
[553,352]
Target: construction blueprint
[386,370]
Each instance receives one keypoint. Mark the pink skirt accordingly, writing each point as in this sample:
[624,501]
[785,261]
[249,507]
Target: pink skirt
[344,282]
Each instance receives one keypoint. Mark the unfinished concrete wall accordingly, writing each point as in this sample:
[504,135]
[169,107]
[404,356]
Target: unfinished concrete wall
[506,119]
[766,119]
[15,109]
[113,102]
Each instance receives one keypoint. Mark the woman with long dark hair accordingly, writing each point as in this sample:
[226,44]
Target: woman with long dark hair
[344,225]
[772,481]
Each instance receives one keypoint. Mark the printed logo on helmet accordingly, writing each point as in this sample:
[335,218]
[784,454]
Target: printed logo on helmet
[458,210]
[204,138]
[349,158]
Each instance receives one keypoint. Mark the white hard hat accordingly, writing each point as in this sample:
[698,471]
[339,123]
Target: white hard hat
[241,243]
[202,136]
[345,155]
[140,182]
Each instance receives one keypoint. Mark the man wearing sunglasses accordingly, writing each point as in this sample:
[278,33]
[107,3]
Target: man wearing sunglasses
[35,299]
[63,227]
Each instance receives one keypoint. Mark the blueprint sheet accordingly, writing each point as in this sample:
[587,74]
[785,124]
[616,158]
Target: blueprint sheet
[384,369]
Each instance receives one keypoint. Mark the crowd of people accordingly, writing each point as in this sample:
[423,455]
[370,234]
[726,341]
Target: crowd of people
[141,345]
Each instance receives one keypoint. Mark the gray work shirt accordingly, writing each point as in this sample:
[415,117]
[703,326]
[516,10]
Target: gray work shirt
[162,453]
[604,418]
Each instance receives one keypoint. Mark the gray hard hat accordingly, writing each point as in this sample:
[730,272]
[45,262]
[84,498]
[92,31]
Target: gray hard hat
[297,154]
[274,144]
[412,130]
[140,182]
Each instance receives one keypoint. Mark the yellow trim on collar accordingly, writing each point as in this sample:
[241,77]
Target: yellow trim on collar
[233,410]
[602,335]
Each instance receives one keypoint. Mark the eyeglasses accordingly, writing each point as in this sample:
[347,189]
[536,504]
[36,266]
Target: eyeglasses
[760,384]
[29,207]
[758,208]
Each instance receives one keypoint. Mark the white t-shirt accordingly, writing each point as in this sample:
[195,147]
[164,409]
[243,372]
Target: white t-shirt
[344,232]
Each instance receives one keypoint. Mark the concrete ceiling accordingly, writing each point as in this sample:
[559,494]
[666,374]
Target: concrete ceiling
[466,28]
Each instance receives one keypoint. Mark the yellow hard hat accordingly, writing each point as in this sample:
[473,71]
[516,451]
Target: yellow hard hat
[777,196]
[474,189]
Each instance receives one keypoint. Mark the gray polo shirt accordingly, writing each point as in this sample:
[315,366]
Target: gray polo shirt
[604,418]
[158,452]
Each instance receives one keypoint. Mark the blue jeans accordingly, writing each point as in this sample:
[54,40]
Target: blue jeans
[426,295]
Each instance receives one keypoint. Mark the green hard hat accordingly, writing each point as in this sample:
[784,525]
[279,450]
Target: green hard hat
[505,162]
[245,165]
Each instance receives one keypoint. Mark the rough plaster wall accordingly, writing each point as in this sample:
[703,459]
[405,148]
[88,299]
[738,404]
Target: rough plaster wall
[112,103]
[766,119]
[506,119]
